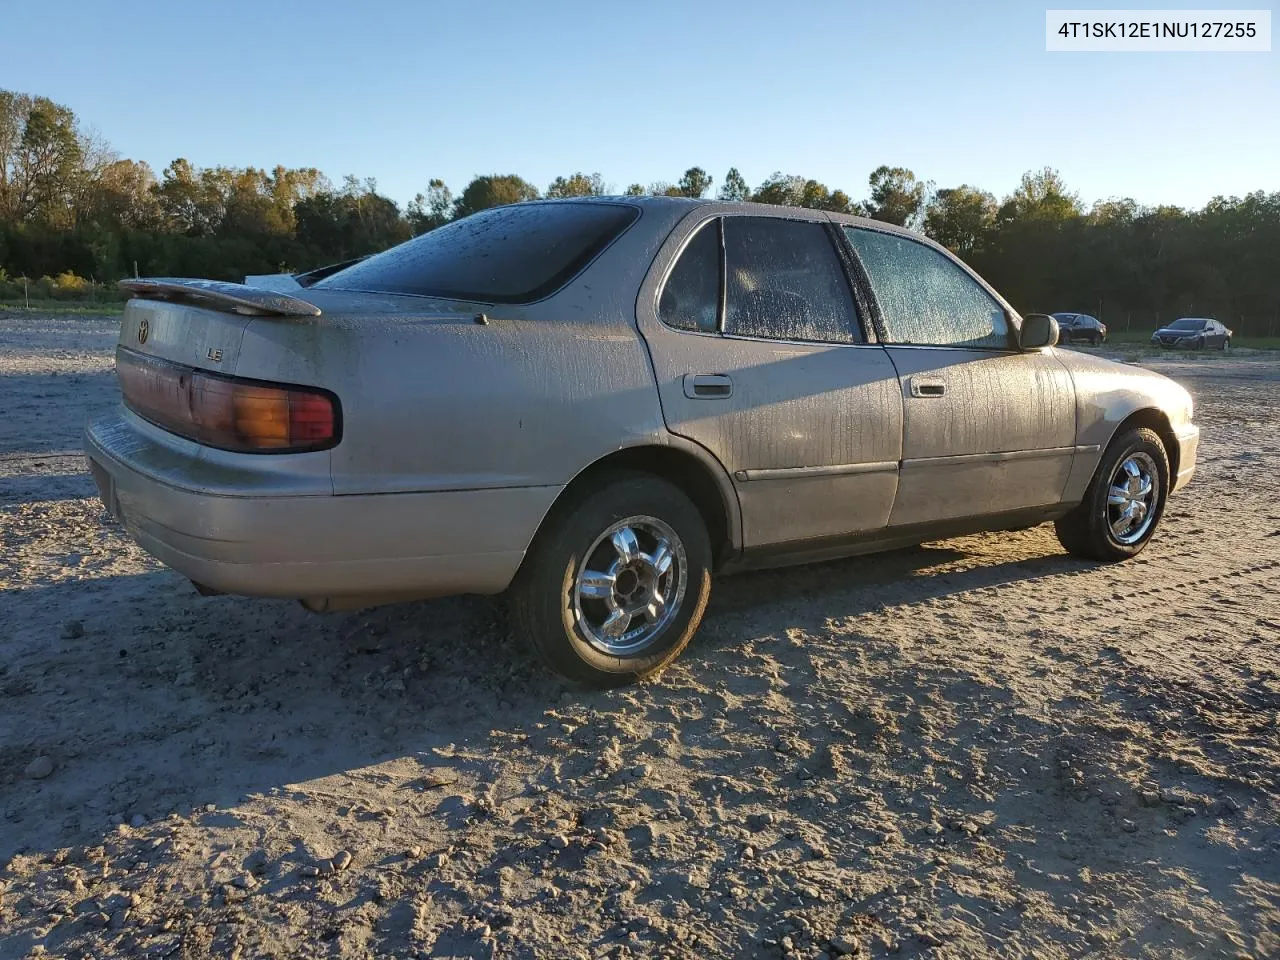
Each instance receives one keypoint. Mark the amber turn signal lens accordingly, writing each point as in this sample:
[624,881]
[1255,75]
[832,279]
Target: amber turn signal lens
[227,412]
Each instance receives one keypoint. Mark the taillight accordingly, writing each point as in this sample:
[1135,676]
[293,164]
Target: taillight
[230,413]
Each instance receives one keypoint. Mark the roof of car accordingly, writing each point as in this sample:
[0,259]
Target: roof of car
[673,207]
[741,206]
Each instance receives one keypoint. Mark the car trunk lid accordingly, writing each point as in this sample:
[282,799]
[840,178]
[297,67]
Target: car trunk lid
[201,323]
[183,333]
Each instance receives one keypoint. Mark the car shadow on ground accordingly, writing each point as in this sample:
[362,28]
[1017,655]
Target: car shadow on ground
[151,700]
[155,699]
[924,572]
[34,486]
[44,413]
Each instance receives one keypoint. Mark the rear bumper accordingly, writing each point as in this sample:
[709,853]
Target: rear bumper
[312,546]
[1188,438]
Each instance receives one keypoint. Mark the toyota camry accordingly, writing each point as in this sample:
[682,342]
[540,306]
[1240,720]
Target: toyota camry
[594,405]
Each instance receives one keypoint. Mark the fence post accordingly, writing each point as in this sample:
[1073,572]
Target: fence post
[26,298]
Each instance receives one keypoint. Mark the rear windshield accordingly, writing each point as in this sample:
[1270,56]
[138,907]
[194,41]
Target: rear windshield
[1186,325]
[513,254]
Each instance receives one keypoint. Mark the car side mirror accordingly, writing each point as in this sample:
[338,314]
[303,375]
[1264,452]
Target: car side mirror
[1038,330]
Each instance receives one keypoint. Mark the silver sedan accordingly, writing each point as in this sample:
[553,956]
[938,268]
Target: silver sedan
[594,405]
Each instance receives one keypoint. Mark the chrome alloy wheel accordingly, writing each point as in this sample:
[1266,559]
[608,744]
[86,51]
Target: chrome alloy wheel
[1131,501]
[629,585]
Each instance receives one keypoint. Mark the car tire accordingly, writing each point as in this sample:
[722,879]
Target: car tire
[1093,529]
[1226,344]
[615,530]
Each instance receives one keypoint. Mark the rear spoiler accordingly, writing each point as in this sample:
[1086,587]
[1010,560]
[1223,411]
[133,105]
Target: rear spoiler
[230,297]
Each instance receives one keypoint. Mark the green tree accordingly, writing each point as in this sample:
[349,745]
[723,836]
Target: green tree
[636,190]
[783,190]
[577,185]
[817,196]
[960,218]
[896,196]
[44,164]
[432,209]
[124,194]
[1041,195]
[96,156]
[1039,251]
[352,222]
[788,190]
[735,187]
[493,190]
[285,187]
[694,183]
[69,203]
[14,108]
[191,200]
[247,207]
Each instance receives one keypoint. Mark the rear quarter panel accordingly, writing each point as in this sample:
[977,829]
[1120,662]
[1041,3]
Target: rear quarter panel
[434,400]
[449,405]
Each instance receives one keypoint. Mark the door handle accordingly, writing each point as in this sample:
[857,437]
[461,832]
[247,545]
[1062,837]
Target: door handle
[927,387]
[706,386]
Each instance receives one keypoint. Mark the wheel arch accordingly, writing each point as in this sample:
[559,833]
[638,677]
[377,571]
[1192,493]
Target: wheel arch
[684,464]
[1154,419]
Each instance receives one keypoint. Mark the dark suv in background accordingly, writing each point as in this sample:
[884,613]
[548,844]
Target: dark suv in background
[1080,328]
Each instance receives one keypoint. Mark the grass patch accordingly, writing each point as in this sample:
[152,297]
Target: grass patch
[61,307]
[1143,338]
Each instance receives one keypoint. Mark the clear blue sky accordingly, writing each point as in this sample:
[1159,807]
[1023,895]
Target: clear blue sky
[403,91]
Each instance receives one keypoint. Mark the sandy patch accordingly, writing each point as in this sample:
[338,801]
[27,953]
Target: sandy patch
[980,747]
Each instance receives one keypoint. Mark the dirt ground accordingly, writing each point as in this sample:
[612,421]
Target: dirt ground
[977,748]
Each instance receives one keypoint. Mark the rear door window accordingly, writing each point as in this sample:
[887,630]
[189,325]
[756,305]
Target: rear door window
[513,254]
[784,281]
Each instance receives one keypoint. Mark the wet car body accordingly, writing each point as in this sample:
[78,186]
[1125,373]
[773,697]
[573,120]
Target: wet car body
[714,386]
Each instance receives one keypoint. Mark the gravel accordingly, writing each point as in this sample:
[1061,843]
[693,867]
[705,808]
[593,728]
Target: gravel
[1041,704]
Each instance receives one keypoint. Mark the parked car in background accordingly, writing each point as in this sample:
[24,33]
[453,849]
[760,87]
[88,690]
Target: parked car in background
[593,405]
[1193,333]
[1080,328]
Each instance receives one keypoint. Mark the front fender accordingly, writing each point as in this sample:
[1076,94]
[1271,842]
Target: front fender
[1109,394]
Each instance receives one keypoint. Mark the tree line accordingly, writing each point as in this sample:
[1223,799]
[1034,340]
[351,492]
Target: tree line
[71,209]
